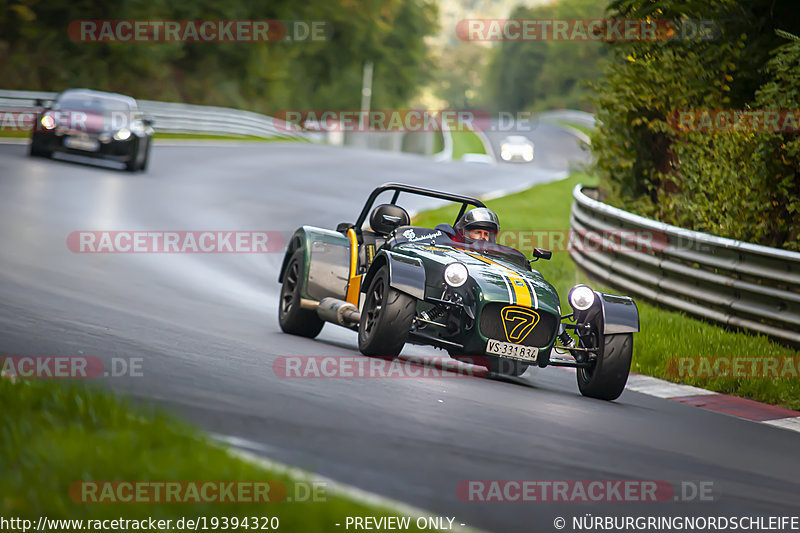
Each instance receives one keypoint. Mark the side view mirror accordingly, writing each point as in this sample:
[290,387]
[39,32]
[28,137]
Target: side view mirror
[147,121]
[541,253]
[386,218]
[342,227]
[38,102]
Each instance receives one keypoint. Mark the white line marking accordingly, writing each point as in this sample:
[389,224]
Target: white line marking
[331,486]
[662,389]
[792,423]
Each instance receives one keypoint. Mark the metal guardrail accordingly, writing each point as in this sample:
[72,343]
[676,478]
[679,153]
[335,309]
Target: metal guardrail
[569,115]
[731,282]
[179,118]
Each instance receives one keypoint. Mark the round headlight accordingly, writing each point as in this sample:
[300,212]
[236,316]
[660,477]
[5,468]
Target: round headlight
[122,134]
[456,274]
[48,122]
[581,297]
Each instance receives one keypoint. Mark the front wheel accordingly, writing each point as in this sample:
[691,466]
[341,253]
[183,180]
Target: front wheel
[132,165]
[291,317]
[34,150]
[386,318]
[606,379]
[143,166]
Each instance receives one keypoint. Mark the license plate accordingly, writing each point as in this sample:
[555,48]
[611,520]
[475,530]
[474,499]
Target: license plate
[513,351]
[79,143]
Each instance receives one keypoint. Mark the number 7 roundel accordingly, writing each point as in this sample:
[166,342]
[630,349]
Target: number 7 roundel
[518,322]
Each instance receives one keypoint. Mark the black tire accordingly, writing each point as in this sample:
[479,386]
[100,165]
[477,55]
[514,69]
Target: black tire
[292,318]
[143,166]
[505,367]
[606,379]
[132,164]
[386,318]
[35,151]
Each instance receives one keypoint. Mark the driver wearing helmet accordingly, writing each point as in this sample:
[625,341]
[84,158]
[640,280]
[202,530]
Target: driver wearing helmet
[478,224]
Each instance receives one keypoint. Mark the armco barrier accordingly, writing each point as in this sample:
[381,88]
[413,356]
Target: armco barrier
[731,282]
[179,118]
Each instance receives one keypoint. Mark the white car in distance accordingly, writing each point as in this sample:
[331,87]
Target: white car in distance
[516,148]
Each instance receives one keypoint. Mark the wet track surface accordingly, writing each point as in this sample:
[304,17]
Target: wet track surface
[205,326]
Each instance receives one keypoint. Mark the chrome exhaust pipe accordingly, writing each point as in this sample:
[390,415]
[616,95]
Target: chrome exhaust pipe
[339,312]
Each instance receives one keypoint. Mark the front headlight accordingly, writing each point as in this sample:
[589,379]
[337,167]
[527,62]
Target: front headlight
[581,297]
[456,274]
[48,122]
[123,134]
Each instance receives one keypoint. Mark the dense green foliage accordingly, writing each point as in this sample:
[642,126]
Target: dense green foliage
[540,75]
[37,53]
[742,184]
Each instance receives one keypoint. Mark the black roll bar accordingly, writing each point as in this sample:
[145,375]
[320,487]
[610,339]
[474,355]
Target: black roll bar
[420,191]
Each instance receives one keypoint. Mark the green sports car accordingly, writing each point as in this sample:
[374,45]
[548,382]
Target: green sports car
[480,301]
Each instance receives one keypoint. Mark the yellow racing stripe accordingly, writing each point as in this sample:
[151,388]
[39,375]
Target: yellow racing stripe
[521,291]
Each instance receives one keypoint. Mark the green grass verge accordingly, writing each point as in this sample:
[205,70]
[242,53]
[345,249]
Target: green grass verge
[55,434]
[466,142]
[438,142]
[664,334]
[14,134]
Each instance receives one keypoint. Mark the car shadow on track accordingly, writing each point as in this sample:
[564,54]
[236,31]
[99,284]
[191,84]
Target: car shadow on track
[424,365]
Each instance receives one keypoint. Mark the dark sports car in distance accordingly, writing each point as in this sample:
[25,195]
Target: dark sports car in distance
[482,302]
[94,124]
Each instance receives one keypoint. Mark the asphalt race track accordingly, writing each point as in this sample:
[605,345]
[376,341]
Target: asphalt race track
[205,326]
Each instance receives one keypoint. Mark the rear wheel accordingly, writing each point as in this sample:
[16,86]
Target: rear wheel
[291,317]
[606,379]
[386,318]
